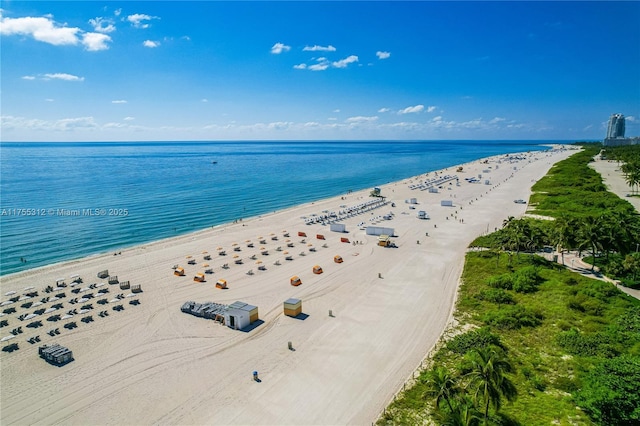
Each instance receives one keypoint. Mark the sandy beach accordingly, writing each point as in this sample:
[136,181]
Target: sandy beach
[153,364]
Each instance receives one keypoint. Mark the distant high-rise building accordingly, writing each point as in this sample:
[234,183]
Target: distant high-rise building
[615,133]
[616,126]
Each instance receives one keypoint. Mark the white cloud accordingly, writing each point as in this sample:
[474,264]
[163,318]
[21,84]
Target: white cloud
[63,76]
[323,63]
[69,124]
[48,100]
[342,63]
[361,119]
[119,101]
[129,118]
[319,67]
[383,55]
[117,12]
[384,110]
[204,100]
[280,125]
[431,108]
[44,29]
[40,28]
[138,20]
[317,48]
[496,120]
[151,43]
[28,77]
[336,110]
[278,48]
[102,25]
[411,109]
[95,41]
[630,118]
[64,125]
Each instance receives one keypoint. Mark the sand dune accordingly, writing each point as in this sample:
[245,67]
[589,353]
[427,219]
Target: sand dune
[151,363]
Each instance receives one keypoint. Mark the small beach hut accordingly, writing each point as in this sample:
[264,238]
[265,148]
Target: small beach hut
[179,271]
[337,259]
[320,236]
[221,284]
[292,307]
[199,277]
[301,234]
[240,315]
[295,281]
[344,240]
[317,270]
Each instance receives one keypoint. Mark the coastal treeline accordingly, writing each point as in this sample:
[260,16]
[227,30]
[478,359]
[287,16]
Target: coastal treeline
[586,218]
[535,343]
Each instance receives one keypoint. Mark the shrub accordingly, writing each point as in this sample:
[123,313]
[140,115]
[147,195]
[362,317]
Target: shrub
[496,295]
[596,344]
[479,338]
[610,392]
[512,317]
[525,280]
[504,281]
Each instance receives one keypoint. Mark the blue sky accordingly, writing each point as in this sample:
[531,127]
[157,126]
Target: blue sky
[207,70]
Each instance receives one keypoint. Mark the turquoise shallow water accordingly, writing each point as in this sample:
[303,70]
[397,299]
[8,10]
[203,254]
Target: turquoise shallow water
[61,201]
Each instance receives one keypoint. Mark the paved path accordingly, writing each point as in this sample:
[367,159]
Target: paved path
[573,262]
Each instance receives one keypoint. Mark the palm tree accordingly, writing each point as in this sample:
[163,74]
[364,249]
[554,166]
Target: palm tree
[442,386]
[632,264]
[562,234]
[590,233]
[464,413]
[487,380]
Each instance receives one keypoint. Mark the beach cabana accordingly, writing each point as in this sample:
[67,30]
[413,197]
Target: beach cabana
[301,234]
[292,307]
[344,240]
[179,272]
[320,236]
[295,281]
[317,270]
[384,240]
[240,315]
[221,283]
[199,277]
[337,259]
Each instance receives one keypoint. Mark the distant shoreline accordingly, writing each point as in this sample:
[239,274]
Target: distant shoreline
[141,239]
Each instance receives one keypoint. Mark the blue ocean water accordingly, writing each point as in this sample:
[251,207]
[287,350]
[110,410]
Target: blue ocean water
[61,201]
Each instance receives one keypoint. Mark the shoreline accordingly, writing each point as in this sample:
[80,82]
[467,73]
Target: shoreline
[203,227]
[390,307]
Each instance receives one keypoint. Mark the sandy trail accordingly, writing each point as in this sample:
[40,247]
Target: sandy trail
[151,363]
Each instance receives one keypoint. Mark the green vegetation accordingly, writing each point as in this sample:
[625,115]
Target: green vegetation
[538,344]
[587,219]
[531,360]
